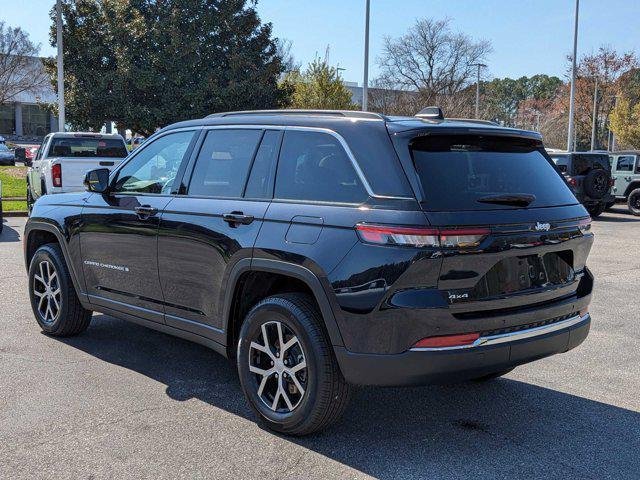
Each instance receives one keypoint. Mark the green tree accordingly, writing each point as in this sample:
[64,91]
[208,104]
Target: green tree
[145,64]
[318,87]
[625,122]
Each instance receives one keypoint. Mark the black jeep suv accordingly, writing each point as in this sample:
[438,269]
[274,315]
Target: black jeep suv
[589,175]
[324,249]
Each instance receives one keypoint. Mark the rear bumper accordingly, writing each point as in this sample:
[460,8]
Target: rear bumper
[453,364]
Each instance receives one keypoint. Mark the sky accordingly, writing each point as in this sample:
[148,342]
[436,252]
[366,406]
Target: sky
[528,36]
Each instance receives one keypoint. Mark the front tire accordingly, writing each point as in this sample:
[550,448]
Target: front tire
[287,368]
[53,298]
[633,202]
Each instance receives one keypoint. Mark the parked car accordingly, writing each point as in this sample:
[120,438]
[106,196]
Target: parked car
[134,143]
[589,175]
[63,159]
[31,152]
[625,168]
[324,249]
[1,215]
[7,156]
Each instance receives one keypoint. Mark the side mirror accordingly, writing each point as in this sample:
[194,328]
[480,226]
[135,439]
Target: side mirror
[97,180]
[21,155]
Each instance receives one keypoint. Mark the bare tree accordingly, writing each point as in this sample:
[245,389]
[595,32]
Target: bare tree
[21,71]
[433,61]
[283,50]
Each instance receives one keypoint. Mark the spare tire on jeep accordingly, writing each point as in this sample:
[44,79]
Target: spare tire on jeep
[596,183]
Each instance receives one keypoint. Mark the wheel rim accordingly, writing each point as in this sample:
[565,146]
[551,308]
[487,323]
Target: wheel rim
[46,288]
[279,367]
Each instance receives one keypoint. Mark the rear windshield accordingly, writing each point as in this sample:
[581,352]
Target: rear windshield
[462,172]
[88,147]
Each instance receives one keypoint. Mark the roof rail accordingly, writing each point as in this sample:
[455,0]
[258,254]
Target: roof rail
[334,113]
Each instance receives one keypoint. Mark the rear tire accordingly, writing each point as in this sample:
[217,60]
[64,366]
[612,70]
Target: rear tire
[55,304]
[596,210]
[633,202]
[324,393]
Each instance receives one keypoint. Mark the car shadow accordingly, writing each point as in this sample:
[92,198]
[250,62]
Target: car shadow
[500,429]
[9,234]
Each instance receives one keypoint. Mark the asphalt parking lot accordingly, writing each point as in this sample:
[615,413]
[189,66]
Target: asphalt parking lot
[121,401]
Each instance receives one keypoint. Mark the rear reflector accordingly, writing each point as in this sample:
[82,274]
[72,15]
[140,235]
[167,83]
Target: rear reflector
[421,237]
[584,311]
[448,341]
[56,175]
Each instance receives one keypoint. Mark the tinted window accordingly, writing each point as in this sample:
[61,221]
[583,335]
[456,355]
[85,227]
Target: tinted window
[458,170]
[87,147]
[625,163]
[154,169]
[313,166]
[223,163]
[260,184]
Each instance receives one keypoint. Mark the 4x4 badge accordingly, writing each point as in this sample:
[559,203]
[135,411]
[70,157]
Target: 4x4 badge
[542,227]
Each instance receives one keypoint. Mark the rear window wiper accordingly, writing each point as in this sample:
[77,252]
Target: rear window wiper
[514,199]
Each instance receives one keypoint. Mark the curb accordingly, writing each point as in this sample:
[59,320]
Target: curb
[15,214]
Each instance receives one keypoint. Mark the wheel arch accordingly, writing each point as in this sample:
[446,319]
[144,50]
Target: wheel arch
[297,273]
[631,187]
[37,234]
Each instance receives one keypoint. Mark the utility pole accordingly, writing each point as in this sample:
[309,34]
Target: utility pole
[365,83]
[479,65]
[594,123]
[570,135]
[61,120]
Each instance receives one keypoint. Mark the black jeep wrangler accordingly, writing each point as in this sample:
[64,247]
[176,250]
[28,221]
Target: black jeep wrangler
[322,249]
[589,175]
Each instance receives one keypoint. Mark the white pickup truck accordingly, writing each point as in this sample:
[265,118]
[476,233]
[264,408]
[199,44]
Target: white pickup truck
[63,159]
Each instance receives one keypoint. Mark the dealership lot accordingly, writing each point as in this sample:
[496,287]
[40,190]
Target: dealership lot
[121,400]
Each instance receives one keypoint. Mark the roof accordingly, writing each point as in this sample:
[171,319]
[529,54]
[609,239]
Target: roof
[86,134]
[339,119]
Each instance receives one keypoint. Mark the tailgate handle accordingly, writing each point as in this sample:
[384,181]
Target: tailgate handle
[106,164]
[235,218]
[145,211]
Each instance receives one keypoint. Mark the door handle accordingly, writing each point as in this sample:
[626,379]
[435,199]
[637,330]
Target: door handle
[235,218]
[145,211]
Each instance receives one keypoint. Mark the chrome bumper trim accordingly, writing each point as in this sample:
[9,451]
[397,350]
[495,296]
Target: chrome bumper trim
[512,336]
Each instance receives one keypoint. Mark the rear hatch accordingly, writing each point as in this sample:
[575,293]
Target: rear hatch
[83,152]
[513,236]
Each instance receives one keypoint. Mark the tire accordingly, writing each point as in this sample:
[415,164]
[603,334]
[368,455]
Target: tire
[609,206]
[326,393]
[633,202]
[69,318]
[596,210]
[596,183]
[493,376]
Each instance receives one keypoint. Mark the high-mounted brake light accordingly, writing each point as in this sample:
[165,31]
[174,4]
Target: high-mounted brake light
[56,175]
[422,237]
[448,341]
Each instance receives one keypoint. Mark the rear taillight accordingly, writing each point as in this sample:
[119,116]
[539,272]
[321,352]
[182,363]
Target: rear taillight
[421,237]
[584,224]
[56,175]
[448,341]
[572,181]
[612,182]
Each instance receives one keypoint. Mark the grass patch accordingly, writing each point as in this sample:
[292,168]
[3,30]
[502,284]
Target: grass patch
[14,206]
[14,182]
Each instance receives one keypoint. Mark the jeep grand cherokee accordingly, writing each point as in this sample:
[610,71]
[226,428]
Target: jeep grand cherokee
[325,249]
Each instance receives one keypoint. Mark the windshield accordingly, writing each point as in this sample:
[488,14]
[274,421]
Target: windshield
[87,147]
[467,172]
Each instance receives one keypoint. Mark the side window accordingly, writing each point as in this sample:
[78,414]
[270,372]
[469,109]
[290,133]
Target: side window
[41,149]
[154,169]
[223,162]
[314,166]
[260,184]
[625,163]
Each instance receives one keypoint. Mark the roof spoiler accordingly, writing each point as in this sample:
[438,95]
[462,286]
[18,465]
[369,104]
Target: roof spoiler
[431,113]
